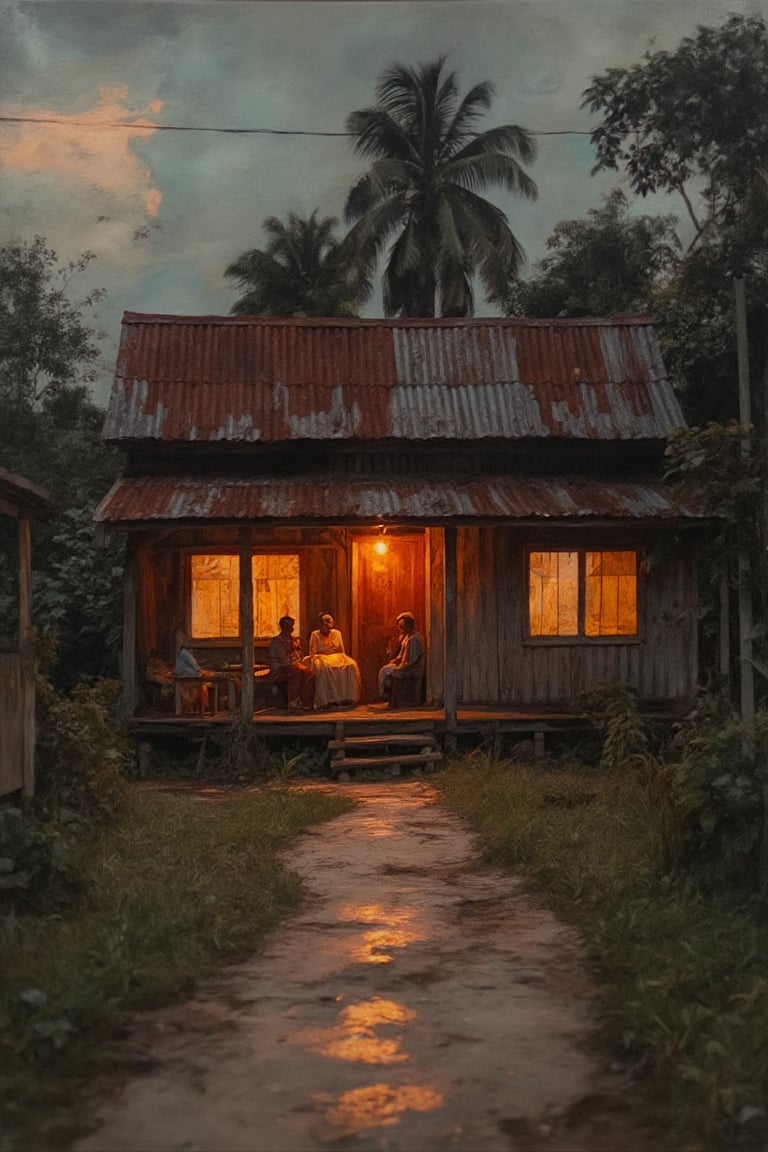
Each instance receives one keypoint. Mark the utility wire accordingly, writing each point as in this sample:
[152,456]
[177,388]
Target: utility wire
[131,125]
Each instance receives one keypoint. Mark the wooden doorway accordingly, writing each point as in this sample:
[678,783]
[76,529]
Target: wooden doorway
[387,578]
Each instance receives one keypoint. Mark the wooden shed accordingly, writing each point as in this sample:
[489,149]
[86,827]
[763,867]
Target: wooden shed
[22,502]
[499,478]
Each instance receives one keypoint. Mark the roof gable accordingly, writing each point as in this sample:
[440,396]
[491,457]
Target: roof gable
[254,380]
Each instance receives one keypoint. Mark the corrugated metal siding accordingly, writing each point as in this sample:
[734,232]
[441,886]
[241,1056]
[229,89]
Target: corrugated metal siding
[251,380]
[513,497]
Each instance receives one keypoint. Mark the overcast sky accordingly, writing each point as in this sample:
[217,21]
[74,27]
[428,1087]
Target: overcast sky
[165,212]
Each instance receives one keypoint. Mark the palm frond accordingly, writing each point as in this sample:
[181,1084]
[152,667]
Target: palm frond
[489,170]
[471,108]
[377,134]
[509,139]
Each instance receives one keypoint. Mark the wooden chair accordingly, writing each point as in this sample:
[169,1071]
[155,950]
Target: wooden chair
[406,691]
[213,686]
[266,693]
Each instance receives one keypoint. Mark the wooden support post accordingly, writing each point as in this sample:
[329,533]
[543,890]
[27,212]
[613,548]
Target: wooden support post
[747,679]
[246,622]
[128,660]
[724,636]
[27,662]
[451,626]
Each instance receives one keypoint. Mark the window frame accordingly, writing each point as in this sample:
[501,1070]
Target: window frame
[224,550]
[580,639]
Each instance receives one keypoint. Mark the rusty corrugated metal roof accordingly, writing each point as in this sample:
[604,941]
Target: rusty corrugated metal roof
[185,498]
[255,380]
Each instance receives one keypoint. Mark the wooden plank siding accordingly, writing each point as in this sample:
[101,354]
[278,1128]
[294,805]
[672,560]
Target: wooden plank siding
[11,722]
[500,666]
[495,664]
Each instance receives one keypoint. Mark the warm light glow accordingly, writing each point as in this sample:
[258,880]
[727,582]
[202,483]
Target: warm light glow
[611,594]
[609,584]
[390,930]
[381,547]
[355,1037]
[380,1106]
[215,579]
[553,593]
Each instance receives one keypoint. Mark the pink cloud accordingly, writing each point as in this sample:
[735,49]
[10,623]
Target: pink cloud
[80,148]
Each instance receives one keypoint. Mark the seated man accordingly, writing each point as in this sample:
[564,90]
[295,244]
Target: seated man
[408,661]
[287,666]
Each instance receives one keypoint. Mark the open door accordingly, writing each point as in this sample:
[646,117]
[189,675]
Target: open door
[387,578]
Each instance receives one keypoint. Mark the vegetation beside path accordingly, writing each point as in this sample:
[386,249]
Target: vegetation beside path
[155,900]
[680,958]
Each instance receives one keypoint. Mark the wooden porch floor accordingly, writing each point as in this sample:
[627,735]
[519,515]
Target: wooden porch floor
[370,718]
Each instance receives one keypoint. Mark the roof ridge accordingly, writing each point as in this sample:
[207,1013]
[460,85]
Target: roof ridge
[637,320]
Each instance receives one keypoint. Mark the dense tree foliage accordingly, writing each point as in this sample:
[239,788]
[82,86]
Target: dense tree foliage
[51,434]
[419,201]
[302,271]
[602,266]
[692,121]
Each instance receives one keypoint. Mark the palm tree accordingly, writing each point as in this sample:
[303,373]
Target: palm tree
[302,271]
[428,165]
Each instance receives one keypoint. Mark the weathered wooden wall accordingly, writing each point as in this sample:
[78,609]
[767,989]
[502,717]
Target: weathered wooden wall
[11,722]
[498,665]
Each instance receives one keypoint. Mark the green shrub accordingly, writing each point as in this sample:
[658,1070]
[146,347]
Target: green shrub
[81,751]
[36,866]
[717,790]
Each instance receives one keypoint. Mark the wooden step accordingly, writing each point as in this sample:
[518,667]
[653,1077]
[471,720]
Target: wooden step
[414,739]
[348,762]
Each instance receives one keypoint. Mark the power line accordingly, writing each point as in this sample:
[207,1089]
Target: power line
[132,125]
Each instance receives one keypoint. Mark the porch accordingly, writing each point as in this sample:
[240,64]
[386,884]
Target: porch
[480,722]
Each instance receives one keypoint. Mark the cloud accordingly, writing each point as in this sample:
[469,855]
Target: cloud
[81,148]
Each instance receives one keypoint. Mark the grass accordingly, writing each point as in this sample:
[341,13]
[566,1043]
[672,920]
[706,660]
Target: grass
[178,886]
[683,970]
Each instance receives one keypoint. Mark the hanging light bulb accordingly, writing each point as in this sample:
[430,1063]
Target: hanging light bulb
[381,545]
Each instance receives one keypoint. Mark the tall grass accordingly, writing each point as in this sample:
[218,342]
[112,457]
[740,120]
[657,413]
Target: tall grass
[683,970]
[176,887]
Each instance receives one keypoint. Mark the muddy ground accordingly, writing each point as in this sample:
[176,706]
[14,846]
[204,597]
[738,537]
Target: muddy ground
[419,1002]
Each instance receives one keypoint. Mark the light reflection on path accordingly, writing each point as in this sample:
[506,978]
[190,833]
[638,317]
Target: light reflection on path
[394,929]
[379,1106]
[356,1037]
[417,1003]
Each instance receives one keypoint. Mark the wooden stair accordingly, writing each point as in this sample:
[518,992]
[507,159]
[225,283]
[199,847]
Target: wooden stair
[393,750]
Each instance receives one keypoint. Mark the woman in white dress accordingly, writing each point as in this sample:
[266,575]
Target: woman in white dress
[337,676]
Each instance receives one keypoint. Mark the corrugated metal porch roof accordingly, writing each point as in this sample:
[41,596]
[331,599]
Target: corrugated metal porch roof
[255,380]
[134,500]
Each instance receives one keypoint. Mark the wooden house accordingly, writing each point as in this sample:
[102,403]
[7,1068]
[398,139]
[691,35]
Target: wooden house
[21,502]
[499,478]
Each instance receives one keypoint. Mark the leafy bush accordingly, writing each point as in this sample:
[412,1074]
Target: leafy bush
[612,708]
[81,751]
[36,869]
[717,790]
[78,595]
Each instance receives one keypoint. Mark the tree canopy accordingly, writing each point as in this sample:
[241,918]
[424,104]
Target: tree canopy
[692,121]
[302,271]
[419,204]
[601,266]
[51,433]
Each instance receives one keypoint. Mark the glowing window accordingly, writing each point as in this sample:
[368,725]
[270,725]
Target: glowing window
[216,594]
[553,593]
[582,593]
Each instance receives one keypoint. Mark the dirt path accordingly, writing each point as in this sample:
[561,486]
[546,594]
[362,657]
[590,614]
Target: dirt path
[417,1004]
